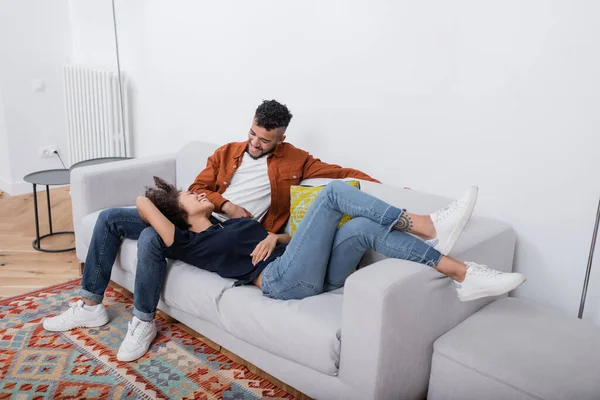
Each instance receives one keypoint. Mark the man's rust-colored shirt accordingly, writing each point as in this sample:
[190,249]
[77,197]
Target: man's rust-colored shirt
[287,166]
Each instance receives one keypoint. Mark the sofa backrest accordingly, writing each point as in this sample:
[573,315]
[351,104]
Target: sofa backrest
[190,160]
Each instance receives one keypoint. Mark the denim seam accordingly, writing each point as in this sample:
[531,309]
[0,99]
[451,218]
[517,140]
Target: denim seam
[422,257]
[297,284]
[109,224]
[157,294]
[373,213]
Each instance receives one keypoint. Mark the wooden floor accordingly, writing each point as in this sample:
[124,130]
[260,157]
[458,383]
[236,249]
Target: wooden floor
[23,269]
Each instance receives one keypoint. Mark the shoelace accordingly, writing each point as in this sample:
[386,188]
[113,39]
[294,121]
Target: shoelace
[74,307]
[446,211]
[134,332]
[483,270]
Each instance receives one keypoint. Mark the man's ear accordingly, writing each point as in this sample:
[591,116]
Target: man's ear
[281,139]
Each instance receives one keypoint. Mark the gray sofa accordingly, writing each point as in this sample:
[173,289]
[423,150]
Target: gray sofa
[372,339]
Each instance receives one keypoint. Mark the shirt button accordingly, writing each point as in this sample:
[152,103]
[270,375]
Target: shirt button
[294,177]
[235,166]
[224,183]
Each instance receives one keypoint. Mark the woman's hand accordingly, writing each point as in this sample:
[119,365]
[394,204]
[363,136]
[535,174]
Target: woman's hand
[264,249]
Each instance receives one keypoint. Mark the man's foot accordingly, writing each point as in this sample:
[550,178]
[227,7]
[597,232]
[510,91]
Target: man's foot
[77,316]
[482,281]
[137,341]
[450,221]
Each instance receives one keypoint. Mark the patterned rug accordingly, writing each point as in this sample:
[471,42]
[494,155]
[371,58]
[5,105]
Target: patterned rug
[82,363]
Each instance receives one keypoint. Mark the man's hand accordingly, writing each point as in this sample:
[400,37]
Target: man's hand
[264,249]
[234,211]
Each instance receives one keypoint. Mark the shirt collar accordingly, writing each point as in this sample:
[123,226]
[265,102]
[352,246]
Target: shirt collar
[241,150]
[278,150]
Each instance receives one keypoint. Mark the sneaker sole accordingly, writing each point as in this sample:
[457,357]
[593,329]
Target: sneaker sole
[93,324]
[137,355]
[460,226]
[492,293]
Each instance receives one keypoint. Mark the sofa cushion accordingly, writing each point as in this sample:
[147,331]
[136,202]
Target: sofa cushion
[305,331]
[195,291]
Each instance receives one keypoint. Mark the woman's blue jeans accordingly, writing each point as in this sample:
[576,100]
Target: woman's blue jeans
[320,256]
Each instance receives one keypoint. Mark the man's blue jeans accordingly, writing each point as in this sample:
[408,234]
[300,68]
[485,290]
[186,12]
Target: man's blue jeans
[111,227]
[320,256]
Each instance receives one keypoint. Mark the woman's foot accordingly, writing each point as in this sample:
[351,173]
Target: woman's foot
[78,315]
[450,221]
[482,281]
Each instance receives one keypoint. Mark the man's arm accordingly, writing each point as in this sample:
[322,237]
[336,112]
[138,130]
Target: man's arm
[315,168]
[206,181]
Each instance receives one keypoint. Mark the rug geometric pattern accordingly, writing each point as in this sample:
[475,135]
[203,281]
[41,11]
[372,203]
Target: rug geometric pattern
[82,363]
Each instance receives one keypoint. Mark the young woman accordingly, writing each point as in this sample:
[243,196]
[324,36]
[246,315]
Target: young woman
[320,256]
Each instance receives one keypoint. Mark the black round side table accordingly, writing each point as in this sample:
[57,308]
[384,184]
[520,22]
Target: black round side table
[47,178]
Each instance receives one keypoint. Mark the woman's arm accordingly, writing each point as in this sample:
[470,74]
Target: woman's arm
[154,217]
[263,250]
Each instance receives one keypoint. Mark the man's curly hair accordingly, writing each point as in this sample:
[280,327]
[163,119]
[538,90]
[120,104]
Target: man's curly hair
[166,198]
[272,114]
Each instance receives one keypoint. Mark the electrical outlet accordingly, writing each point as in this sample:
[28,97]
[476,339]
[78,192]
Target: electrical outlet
[47,151]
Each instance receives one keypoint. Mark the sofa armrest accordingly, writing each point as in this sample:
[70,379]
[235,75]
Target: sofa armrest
[117,184]
[393,312]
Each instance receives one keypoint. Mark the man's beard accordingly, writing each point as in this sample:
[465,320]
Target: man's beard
[262,154]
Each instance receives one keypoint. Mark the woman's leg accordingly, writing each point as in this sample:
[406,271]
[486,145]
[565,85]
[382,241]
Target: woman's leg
[361,234]
[300,271]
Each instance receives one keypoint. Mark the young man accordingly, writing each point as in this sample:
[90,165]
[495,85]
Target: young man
[248,179]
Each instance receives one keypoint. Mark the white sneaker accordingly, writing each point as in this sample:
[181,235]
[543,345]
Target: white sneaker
[77,316]
[137,341]
[482,281]
[450,221]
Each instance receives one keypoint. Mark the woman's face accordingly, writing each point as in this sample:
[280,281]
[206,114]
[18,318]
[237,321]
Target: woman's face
[196,204]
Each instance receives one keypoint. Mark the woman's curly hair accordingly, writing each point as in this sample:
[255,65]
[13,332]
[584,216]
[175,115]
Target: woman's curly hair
[166,198]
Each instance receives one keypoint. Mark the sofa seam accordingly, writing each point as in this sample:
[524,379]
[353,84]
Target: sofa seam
[477,371]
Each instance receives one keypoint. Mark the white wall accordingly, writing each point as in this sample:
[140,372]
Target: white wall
[33,45]
[434,95]
[4,154]
[93,34]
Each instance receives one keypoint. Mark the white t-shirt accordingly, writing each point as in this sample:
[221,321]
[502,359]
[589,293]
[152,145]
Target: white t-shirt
[249,188]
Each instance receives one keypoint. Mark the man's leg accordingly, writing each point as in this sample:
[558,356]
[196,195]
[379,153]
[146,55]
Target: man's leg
[112,225]
[149,280]
[150,274]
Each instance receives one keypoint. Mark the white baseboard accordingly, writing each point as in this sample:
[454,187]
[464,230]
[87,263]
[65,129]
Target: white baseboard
[15,188]
[22,187]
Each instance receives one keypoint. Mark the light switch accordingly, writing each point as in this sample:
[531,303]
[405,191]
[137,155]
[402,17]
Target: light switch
[38,85]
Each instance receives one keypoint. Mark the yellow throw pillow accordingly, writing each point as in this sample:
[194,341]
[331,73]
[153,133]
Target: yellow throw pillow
[302,198]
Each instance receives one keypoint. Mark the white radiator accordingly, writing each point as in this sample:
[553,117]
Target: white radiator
[97,126]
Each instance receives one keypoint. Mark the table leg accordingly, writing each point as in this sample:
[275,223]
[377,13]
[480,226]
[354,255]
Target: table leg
[37,221]
[49,212]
